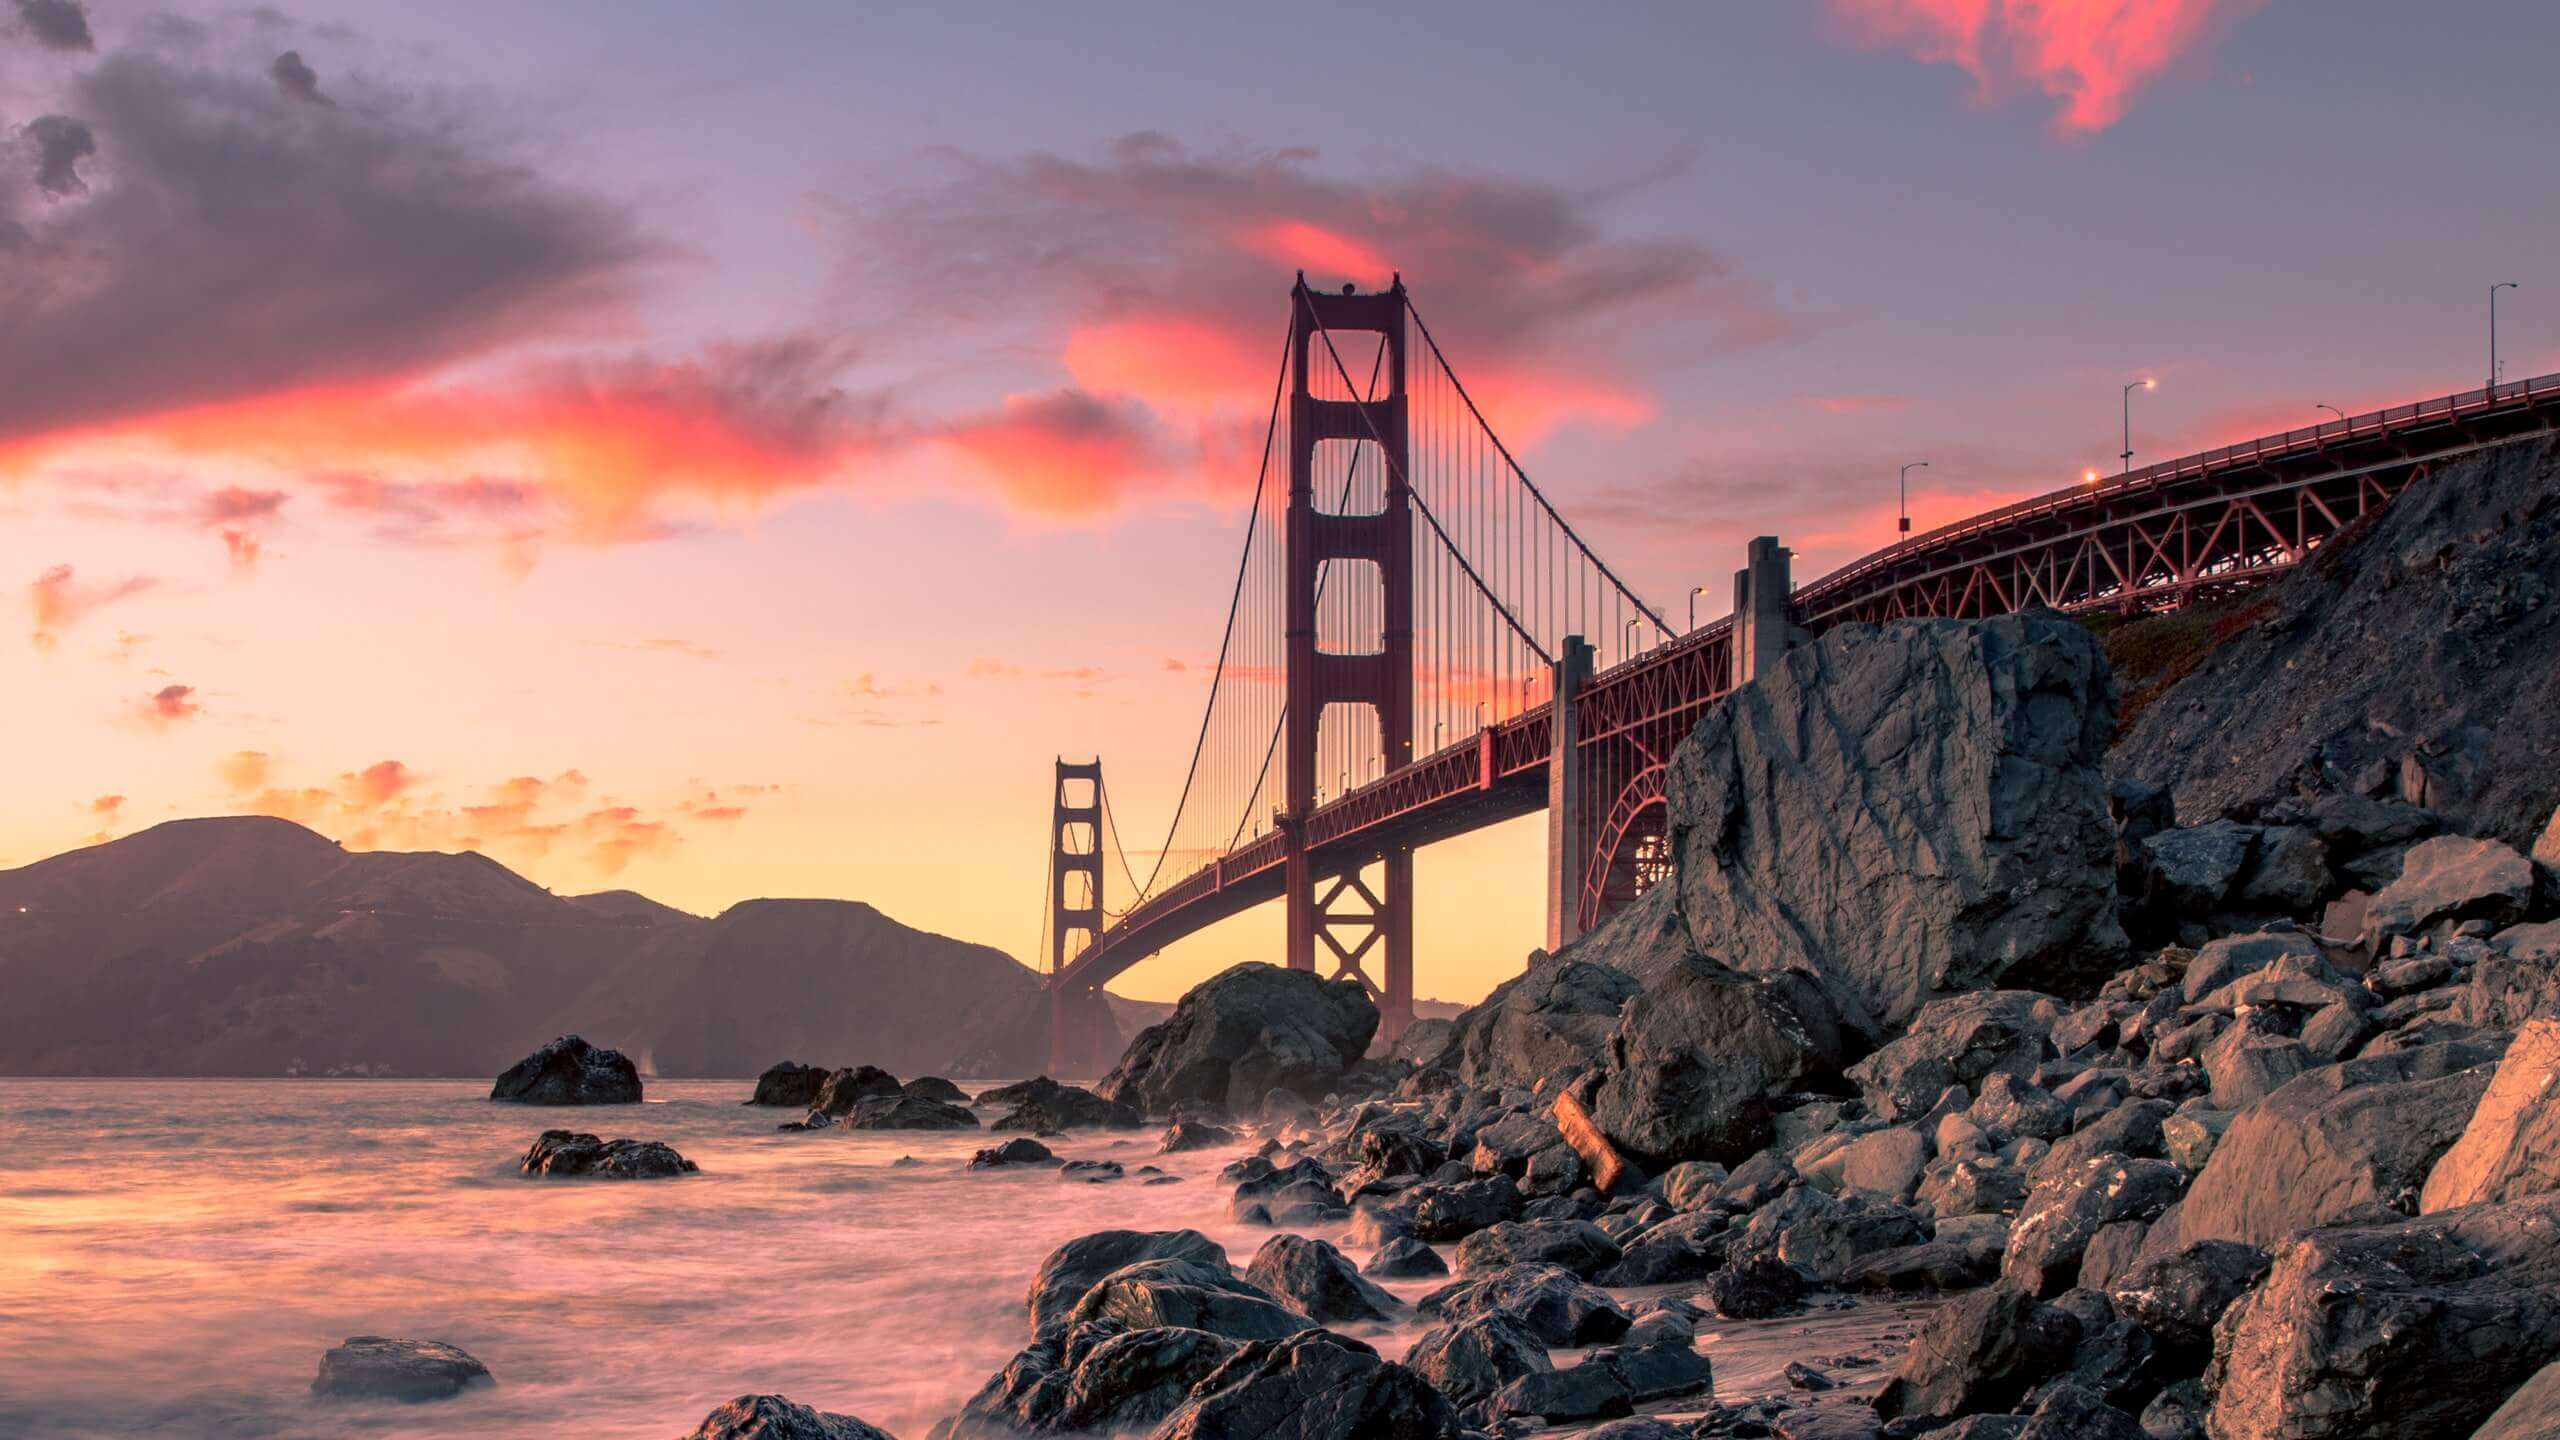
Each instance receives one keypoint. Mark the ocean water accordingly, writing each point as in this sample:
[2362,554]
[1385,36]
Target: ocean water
[176,1254]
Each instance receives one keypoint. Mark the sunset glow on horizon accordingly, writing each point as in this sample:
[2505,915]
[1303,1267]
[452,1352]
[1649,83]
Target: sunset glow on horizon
[734,457]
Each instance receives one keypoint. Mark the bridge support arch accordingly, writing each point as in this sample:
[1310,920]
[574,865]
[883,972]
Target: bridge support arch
[1083,1040]
[1325,908]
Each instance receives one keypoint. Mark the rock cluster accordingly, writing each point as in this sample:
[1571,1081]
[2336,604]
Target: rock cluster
[569,1071]
[560,1153]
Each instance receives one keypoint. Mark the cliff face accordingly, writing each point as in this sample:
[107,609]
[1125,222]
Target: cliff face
[2418,656]
[251,946]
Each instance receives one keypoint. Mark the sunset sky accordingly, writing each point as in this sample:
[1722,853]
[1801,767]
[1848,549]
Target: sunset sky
[729,451]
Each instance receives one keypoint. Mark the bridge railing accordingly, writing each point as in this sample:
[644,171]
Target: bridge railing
[2540,389]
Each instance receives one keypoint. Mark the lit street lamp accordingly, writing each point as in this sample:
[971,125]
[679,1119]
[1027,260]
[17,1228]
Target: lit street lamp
[1906,494]
[1694,592]
[2493,331]
[2145,383]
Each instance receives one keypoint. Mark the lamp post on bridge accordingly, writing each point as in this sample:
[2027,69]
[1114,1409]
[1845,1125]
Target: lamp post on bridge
[2146,383]
[1905,533]
[2493,332]
[1694,592]
[2332,409]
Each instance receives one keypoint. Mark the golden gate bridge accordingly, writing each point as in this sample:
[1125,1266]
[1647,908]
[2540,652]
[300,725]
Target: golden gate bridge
[1419,644]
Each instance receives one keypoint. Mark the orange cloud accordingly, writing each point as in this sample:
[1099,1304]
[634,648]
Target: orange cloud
[377,784]
[59,601]
[1066,454]
[1302,246]
[106,805]
[2092,55]
[245,771]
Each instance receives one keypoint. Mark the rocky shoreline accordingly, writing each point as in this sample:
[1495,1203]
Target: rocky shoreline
[2234,1130]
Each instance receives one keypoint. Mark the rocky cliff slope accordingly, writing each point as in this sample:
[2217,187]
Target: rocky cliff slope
[2416,657]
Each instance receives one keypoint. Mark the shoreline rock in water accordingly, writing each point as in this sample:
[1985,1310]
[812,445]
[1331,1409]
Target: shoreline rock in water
[377,1367]
[1243,1033]
[776,1417]
[788,1083]
[561,1153]
[569,1071]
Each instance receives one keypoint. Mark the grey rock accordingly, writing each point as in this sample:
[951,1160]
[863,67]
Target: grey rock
[2192,872]
[1904,811]
[2071,1412]
[1548,1301]
[2532,1413]
[1823,1236]
[1443,1212]
[377,1367]
[569,1071]
[1695,1057]
[1468,1360]
[1755,1287]
[934,1087]
[1020,1150]
[1960,1040]
[2016,1106]
[1684,1247]
[1885,1164]
[2067,1208]
[2411,1327]
[1194,1135]
[1240,1034]
[1189,1295]
[2229,957]
[2334,1032]
[2188,1137]
[1980,1352]
[2452,877]
[1404,1258]
[2111,1252]
[1587,1391]
[1316,1280]
[1554,1017]
[844,1089]
[1315,1386]
[567,1152]
[2181,1295]
[789,1083]
[1576,1245]
[1075,1267]
[2248,1064]
[2289,874]
[777,1417]
[911,1112]
[1042,1105]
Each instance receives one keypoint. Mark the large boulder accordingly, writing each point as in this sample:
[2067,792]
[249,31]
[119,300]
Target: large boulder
[1959,1040]
[1470,1359]
[1190,1295]
[845,1088]
[1315,1386]
[570,1152]
[1697,1055]
[1552,1018]
[377,1367]
[2068,1208]
[2413,1327]
[1316,1280]
[569,1071]
[1577,1245]
[1238,1035]
[911,1112]
[2331,1139]
[1075,1267]
[1097,1379]
[2511,1148]
[2452,877]
[778,1417]
[2532,1413]
[789,1083]
[2180,1295]
[1980,1352]
[1824,1236]
[1545,1300]
[1042,1105]
[1905,811]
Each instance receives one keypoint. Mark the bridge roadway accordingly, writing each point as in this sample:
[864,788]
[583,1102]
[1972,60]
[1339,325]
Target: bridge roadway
[2150,539]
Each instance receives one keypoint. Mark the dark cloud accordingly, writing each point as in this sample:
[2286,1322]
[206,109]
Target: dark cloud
[247,243]
[295,77]
[56,24]
[60,144]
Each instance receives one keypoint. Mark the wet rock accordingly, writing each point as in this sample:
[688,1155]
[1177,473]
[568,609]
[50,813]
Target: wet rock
[2019,1107]
[1316,1280]
[1195,1135]
[2289,873]
[2511,1147]
[1424,1042]
[1904,810]
[2248,1064]
[2191,873]
[2073,1413]
[1980,1352]
[1974,1185]
[377,1367]
[1468,1360]
[569,1071]
[1755,1287]
[2188,1137]
[1587,1391]
[2179,1296]
[789,1083]
[2366,1131]
[1188,1294]
[1553,1017]
[1444,1212]
[1315,1386]
[1081,1263]
[1684,1247]
[1044,1105]
[1823,1236]
[1386,1153]
[1695,1058]
[2413,1327]
[1099,1378]
[2111,1252]
[2335,1032]
[2176,1413]
[1959,1040]
[2451,877]
[1917,1269]
[2066,1209]
[1548,1301]
[1576,1245]
[934,1087]
[911,1112]
[845,1089]
[1690,1184]
[1021,1150]
[1238,1035]
[1300,1193]
[777,1417]
[1885,1164]
[1090,1172]
[1405,1258]
[568,1152]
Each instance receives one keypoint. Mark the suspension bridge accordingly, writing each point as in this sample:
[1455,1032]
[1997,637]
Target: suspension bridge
[1419,644]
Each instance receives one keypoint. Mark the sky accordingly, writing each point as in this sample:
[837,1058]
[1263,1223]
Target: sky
[732,451]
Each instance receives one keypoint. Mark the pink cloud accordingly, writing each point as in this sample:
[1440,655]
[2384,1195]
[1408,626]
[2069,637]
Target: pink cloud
[58,601]
[2091,55]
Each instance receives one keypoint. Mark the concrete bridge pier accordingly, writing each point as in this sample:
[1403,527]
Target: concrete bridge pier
[1764,626]
[1569,818]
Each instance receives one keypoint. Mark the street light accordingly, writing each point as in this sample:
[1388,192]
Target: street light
[2493,332]
[1906,494]
[1694,592]
[2089,476]
[1626,634]
[2146,383]
[2332,409]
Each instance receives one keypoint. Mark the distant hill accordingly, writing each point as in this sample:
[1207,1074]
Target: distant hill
[252,946]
